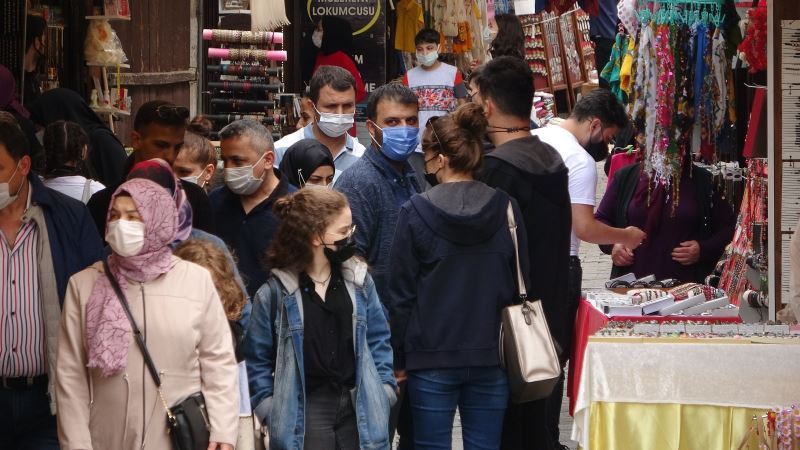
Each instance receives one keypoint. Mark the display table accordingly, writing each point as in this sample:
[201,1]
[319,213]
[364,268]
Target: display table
[696,394]
[588,321]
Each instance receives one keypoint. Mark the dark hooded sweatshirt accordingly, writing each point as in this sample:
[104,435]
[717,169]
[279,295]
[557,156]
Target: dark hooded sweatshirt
[452,272]
[534,174]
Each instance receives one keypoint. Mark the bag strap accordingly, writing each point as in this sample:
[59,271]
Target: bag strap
[137,334]
[274,298]
[512,226]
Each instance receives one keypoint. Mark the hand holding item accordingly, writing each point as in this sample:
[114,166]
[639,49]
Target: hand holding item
[400,376]
[687,253]
[621,256]
[635,237]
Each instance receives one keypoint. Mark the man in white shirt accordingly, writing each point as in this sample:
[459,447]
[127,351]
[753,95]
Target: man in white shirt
[333,93]
[594,122]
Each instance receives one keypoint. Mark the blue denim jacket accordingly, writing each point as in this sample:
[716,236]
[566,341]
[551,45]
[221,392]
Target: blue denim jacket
[278,389]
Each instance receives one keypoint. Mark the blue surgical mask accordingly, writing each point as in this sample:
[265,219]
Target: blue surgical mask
[398,142]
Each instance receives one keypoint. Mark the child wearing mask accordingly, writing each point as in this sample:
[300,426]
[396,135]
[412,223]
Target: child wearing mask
[439,86]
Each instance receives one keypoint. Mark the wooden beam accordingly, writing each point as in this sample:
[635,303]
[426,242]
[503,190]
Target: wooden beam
[158,78]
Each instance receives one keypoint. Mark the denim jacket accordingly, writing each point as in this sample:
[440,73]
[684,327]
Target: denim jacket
[278,387]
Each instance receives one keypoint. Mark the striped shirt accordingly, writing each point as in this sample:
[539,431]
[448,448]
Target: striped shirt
[22,328]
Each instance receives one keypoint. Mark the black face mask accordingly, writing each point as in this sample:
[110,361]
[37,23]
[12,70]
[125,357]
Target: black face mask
[431,178]
[345,248]
[599,151]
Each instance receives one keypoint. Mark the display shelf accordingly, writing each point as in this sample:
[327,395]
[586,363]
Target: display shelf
[121,66]
[110,110]
[127,18]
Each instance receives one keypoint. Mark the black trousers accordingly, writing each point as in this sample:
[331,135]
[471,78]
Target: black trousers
[554,402]
[25,420]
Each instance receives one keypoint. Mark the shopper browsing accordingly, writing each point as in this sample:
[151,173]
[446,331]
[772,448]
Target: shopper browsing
[593,123]
[438,86]
[66,149]
[533,174]
[453,268]
[317,348]
[196,161]
[333,94]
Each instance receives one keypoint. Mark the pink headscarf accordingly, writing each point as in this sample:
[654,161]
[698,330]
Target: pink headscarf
[107,327]
[161,173]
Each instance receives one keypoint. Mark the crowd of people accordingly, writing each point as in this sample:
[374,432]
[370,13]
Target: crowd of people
[336,294]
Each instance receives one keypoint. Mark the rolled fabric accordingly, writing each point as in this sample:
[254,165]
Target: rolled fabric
[243,37]
[247,54]
[244,70]
[244,86]
[221,105]
[227,118]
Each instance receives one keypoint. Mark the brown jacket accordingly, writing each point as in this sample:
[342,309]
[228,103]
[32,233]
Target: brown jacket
[188,336]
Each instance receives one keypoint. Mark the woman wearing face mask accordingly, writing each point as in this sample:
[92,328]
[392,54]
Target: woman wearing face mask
[106,396]
[197,160]
[317,348]
[453,268]
[308,163]
[66,147]
[334,38]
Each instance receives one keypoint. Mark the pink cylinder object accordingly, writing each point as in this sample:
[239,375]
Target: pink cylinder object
[260,55]
[244,37]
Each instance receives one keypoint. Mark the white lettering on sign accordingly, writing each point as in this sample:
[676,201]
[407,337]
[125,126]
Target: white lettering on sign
[369,87]
[359,59]
[343,11]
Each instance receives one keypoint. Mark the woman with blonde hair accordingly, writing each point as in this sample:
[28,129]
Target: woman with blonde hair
[317,347]
[237,310]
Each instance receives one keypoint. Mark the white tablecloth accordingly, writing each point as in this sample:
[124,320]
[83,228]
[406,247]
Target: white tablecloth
[740,375]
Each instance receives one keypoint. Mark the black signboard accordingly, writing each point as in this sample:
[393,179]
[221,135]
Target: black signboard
[368,19]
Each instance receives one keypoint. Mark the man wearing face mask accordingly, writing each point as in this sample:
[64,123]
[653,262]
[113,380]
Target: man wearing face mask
[333,93]
[378,184]
[158,132]
[582,140]
[45,238]
[438,86]
[243,206]
[35,32]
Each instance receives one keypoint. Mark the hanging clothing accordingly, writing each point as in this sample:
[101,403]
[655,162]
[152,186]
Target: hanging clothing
[409,22]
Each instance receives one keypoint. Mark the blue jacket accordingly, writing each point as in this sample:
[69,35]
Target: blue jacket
[277,386]
[376,190]
[453,271]
[75,243]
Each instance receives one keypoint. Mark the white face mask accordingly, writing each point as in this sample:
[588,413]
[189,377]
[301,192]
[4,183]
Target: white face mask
[125,237]
[334,125]
[194,179]
[5,191]
[318,186]
[428,59]
[241,180]
[316,38]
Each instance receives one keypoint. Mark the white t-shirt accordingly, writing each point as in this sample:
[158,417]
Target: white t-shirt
[582,169]
[74,186]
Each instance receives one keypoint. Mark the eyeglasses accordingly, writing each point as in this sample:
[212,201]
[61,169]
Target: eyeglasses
[350,231]
[436,135]
[172,112]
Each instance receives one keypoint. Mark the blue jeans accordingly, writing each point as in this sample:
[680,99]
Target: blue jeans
[25,420]
[481,395]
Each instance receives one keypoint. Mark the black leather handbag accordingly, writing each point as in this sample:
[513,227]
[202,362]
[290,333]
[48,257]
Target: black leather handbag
[187,421]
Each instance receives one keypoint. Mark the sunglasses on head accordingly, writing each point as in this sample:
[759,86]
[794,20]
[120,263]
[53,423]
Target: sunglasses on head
[172,112]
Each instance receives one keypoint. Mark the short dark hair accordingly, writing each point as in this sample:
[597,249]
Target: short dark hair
[35,27]
[160,112]
[260,136]
[14,140]
[508,82]
[427,36]
[395,92]
[63,145]
[601,104]
[337,78]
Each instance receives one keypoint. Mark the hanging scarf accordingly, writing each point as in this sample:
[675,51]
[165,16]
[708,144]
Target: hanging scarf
[107,327]
[159,171]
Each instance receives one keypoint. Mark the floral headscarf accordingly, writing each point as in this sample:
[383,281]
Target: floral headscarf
[107,327]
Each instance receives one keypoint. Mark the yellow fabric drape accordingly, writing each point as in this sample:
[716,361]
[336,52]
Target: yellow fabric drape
[639,426]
